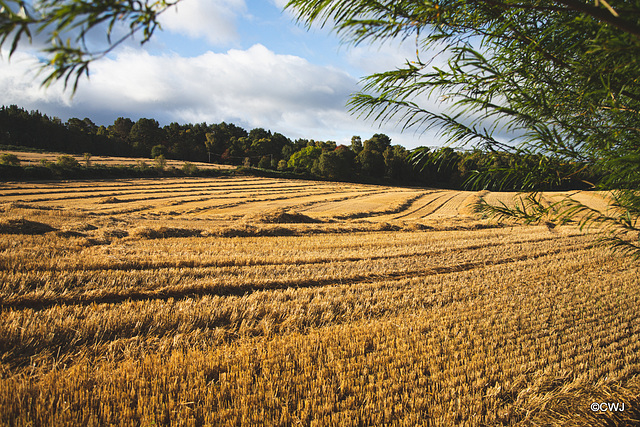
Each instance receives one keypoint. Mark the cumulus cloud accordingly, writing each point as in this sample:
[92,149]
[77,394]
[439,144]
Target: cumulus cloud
[20,82]
[213,20]
[255,85]
[252,87]
[378,57]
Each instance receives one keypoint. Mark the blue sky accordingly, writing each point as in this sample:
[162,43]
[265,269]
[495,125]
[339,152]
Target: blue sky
[241,61]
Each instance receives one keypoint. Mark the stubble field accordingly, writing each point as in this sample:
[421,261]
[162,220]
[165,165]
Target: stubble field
[32,158]
[253,301]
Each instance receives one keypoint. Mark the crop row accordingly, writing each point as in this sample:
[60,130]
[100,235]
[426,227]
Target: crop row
[491,346]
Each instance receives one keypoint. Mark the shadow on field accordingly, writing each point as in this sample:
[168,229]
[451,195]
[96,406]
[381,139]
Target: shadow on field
[44,302]
[23,226]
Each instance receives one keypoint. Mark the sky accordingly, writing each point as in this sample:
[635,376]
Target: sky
[240,61]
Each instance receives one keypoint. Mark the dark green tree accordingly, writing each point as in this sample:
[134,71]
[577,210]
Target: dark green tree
[234,154]
[265,162]
[158,150]
[330,165]
[259,133]
[260,147]
[287,151]
[119,133]
[356,144]
[278,141]
[379,142]
[121,128]
[347,156]
[300,143]
[326,146]
[144,134]
[222,134]
[396,163]
[370,161]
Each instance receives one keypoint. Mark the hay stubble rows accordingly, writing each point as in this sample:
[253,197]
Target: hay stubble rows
[249,301]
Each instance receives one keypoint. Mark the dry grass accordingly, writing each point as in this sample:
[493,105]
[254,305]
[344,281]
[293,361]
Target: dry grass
[27,158]
[281,216]
[251,301]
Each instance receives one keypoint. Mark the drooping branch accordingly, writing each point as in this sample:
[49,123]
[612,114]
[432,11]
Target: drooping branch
[603,15]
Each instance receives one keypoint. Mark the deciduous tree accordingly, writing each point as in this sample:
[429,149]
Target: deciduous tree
[304,159]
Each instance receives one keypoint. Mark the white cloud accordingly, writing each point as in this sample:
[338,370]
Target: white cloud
[20,82]
[251,88]
[280,3]
[255,86]
[379,57]
[212,20]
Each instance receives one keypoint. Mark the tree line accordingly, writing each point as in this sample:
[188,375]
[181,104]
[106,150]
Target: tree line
[373,160]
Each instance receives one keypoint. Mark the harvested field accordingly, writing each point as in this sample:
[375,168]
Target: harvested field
[253,301]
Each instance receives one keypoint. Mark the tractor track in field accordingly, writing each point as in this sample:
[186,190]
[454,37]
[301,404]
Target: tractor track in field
[167,193]
[440,194]
[137,266]
[199,290]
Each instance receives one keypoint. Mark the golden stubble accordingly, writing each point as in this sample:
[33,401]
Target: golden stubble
[200,302]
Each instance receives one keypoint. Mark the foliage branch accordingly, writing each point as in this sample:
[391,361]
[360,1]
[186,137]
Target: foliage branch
[553,83]
[67,28]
